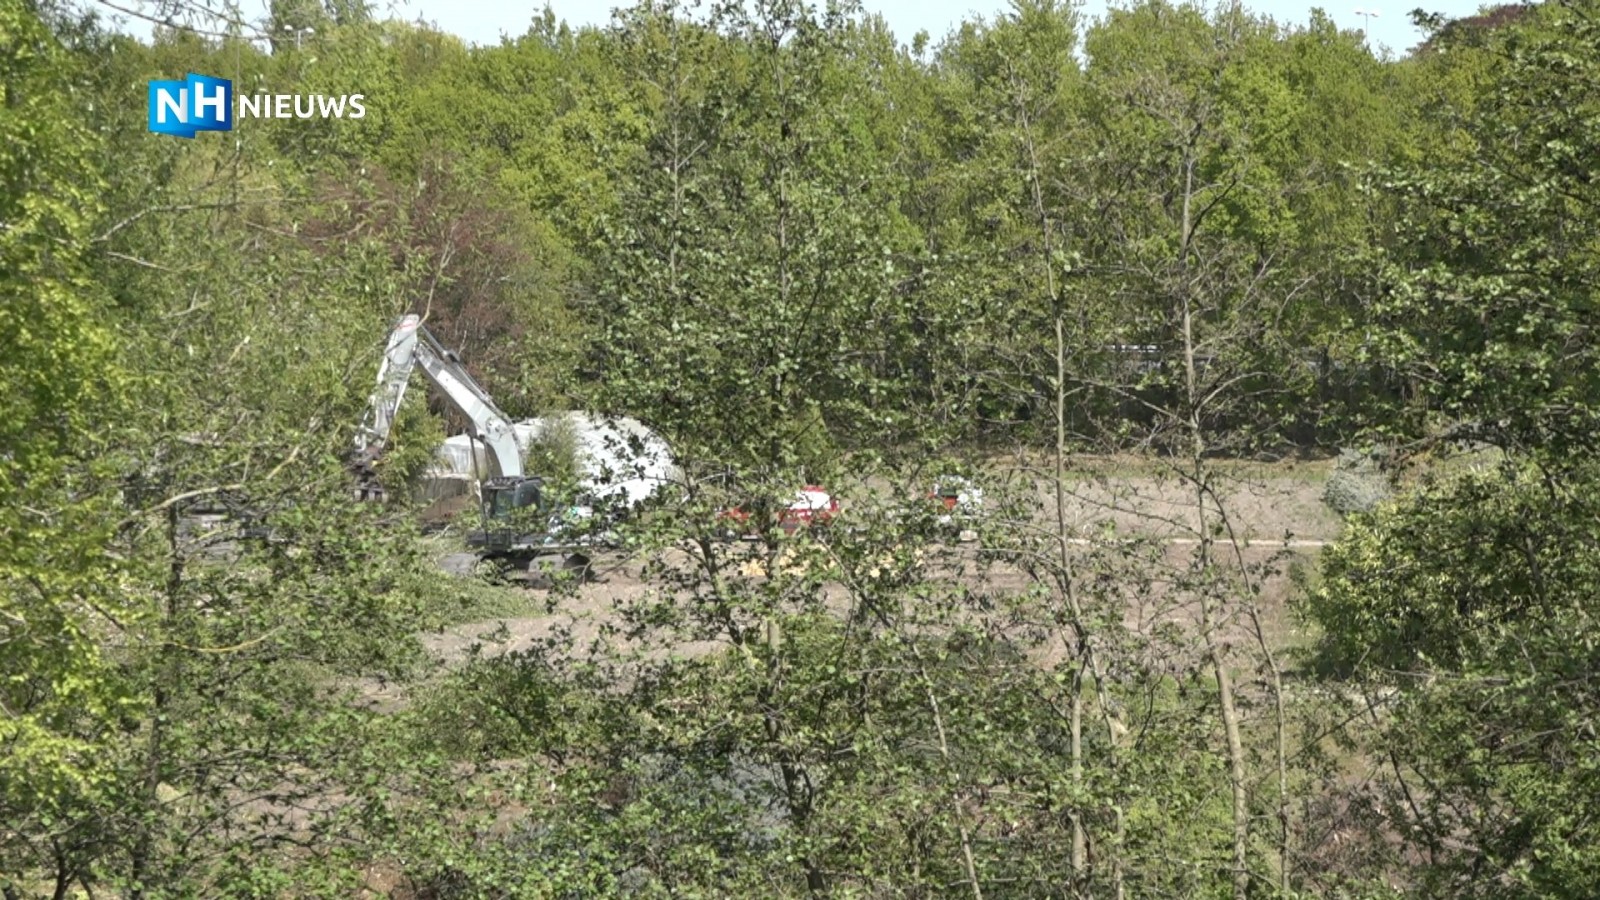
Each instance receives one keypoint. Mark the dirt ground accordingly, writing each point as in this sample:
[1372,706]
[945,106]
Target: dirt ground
[1261,503]
[1275,512]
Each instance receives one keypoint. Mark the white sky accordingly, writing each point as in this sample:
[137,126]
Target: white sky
[486,21]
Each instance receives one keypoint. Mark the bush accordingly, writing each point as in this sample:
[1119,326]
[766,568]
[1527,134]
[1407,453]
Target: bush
[554,455]
[1358,483]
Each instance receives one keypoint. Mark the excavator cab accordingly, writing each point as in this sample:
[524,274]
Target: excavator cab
[512,517]
[504,496]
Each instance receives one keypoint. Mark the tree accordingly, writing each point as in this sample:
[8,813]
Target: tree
[193,598]
[1488,286]
[754,270]
[1462,615]
[1462,612]
[60,695]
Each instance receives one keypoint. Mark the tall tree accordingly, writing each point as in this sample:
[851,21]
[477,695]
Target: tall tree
[750,287]
[1465,611]
[61,698]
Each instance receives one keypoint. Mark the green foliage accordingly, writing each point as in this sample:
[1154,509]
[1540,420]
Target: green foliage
[60,693]
[1489,287]
[1464,610]
[554,453]
[198,603]
[412,449]
[48,202]
[1474,596]
[747,287]
[1454,570]
[807,254]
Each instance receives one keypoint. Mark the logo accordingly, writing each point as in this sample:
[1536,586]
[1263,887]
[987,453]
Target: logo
[198,103]
[202,103]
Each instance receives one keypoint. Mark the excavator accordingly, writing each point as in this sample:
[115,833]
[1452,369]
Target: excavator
[506,491]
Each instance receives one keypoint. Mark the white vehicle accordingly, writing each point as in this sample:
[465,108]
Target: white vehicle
[812,506]
[959,503]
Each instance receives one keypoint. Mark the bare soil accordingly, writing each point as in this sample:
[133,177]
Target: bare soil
[1274,516]
[1258,506]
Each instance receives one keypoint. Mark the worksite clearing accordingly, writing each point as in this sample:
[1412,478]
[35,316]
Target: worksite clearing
[1276,512]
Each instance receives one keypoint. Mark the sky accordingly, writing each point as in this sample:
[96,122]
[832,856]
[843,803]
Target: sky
[485,21]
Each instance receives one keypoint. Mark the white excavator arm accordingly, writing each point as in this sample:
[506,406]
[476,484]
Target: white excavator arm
[412,346]
[509,489]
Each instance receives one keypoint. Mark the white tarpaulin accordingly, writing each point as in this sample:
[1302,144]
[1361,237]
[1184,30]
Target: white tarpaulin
[621,459]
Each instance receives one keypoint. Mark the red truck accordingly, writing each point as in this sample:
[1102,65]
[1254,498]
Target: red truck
[812,505]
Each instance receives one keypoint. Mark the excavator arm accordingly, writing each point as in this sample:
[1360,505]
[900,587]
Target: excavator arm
[503,492]
[411,347]
[508,489]
[394,374]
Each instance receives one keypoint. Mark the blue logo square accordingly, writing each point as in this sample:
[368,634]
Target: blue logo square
[198,103]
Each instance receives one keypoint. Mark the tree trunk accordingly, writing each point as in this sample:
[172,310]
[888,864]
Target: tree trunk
[1215,650]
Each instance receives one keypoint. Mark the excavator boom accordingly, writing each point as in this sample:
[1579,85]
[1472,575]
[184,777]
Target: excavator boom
[503,491]
[613,479]
[412,346]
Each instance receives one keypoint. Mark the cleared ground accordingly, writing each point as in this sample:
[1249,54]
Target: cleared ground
[1275,517]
